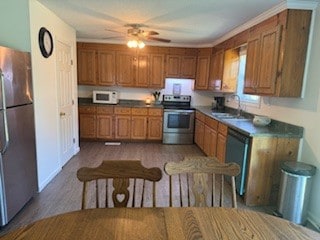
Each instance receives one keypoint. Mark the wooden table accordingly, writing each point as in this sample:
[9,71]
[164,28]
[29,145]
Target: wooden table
[163,223]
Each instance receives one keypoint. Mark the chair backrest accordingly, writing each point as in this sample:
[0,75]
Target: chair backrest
[193,175]
[124,176]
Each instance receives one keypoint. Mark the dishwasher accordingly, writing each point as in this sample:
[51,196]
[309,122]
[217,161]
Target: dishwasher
[237,150]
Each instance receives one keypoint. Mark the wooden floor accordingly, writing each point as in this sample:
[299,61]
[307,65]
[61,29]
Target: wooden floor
[63,193]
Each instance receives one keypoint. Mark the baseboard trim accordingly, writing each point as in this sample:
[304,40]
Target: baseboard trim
[44,183]
[314,221]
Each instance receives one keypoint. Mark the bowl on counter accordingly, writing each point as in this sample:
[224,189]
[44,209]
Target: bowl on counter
[261,121]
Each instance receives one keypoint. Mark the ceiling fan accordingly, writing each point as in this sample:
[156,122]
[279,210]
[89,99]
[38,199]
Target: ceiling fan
[136,35]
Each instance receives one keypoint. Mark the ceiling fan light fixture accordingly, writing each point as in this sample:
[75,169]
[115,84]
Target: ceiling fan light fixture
[135,44]
[141,44]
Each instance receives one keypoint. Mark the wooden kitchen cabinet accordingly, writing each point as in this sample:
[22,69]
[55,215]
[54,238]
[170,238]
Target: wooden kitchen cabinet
[122,122]
[104,120]
[106,68]
[139,121]
[275,62]
[146,124]
[188,67]
[216,69]
[210,136]
[263,172]
[179,66]
[199,129]
[230,70]
[155,121]
[203,67]
[156,67]
[141,77]
[87,122]
[222,141]
[87,66]
[125,62]
[96,67]
[262,62]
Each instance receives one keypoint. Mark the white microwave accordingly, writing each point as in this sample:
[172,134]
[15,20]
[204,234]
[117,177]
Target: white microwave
[106,97]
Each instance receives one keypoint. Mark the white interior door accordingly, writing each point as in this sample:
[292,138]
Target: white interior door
[64,79]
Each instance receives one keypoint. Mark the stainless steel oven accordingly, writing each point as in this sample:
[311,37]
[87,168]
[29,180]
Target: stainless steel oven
[178,120]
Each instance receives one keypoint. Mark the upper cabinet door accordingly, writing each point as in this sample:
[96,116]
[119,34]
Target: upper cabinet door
[269,55]
[216,69]
[262,62]
[203,66]
[107,70]
[156,71]
[87,67]
[125,68]
[251,72]
[188,67]
[142,70]
[173,66]
[230,71]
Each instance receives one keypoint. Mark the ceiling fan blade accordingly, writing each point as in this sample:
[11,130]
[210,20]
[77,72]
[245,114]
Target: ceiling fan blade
[158,39]
[149,33]
[110,30]
[113,37]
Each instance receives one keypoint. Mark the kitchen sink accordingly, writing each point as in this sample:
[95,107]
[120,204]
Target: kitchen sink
[228,116]
[235,120]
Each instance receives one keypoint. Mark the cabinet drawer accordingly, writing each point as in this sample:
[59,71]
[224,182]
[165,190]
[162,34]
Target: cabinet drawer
[87,109]
[200,116]
[212,123]
[122,110]
[223,129]
[155,112]
[139,111]
[104,110]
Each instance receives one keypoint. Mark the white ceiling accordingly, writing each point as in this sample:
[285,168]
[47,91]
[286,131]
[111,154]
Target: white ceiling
[184,22]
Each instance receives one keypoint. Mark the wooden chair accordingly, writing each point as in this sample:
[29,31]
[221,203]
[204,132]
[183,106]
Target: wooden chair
[200,169]
[123,174]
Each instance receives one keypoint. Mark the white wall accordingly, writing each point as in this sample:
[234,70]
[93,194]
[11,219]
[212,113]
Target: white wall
[45,90]
[14,24]
[198,98]
[304,112]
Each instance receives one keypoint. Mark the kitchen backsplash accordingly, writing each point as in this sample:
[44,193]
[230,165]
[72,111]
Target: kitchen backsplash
[198,98]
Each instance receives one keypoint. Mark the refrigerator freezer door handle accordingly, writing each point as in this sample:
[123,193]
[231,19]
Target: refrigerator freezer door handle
[5,121]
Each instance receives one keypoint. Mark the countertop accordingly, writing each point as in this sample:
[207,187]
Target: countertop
[274,129]
[122,103]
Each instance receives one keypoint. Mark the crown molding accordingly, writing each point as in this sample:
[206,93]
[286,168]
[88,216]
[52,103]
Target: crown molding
[289,4]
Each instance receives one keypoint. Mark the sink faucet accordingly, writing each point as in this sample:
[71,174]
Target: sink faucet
[239,103]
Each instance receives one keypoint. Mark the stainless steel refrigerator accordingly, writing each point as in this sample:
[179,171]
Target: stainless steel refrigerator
[18,172]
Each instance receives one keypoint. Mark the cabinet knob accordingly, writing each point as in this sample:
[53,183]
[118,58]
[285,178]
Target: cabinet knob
[62,114]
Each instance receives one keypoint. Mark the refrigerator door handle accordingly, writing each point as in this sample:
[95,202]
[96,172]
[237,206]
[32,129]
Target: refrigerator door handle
[5,121]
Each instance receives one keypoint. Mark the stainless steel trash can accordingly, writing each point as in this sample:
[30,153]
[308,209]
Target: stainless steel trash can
[295,186]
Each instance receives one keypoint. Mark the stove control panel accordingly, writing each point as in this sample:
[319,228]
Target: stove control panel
[177,98]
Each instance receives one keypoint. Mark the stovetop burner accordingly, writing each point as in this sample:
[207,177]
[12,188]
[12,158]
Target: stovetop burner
[176,102]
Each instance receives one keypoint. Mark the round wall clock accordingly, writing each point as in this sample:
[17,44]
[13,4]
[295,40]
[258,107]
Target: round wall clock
[45,42]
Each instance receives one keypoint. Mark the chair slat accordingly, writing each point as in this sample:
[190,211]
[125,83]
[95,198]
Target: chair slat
[142,195]
[97,194]
[107,194]
[170,191]
[222,191]
[188,190]
[180,191]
